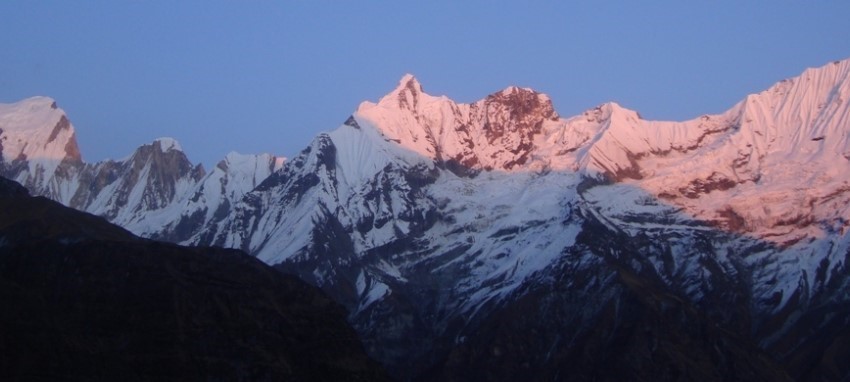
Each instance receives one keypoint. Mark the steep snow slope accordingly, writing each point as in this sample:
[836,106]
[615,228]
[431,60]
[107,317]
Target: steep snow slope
[38,146]
[39,130]
[775,166]
[152,179]
[211,198]
[378,185]
[157,192]
[442,213]
[786,147]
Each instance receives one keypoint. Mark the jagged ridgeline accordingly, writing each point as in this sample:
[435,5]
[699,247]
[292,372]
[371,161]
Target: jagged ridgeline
[500,240]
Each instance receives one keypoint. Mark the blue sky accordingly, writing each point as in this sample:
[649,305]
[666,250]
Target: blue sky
[268,76]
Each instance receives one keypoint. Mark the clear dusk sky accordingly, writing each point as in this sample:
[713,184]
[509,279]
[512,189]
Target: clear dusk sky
[267,76]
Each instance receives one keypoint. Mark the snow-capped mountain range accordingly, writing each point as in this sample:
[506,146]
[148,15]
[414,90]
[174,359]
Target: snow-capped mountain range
[146,192]
[433,221]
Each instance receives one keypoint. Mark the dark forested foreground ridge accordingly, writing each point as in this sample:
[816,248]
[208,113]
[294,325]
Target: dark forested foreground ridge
[86,300]
[498,240]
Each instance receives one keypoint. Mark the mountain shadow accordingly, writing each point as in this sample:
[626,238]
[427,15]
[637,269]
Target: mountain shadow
[86,300]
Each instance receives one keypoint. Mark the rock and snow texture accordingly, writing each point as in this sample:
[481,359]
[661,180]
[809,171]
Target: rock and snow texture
[496,133]
[443,213]
[154,192]
[786,148]
[211,198]
[775,166]
[475,202]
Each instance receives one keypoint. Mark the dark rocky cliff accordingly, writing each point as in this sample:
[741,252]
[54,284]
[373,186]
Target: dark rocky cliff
[86,300]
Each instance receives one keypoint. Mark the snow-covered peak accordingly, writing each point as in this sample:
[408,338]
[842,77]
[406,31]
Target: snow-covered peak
[770,166]
[234,157]
[615,110]
[523,103]
[36,128]
[408,81]
[797,130]
[167,144]
[229,180]
[38,141]
[406,96]
[516,89]
[494,133]
[30,113]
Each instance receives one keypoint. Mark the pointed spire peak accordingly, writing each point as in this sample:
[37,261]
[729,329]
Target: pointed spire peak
[612,105]
[406,94]
[409,81]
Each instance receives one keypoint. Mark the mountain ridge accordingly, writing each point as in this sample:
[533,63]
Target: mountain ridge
[428,220]
[140,192]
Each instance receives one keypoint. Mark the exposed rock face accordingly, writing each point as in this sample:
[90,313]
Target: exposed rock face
[497,132]
[85,299]
[151,179]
